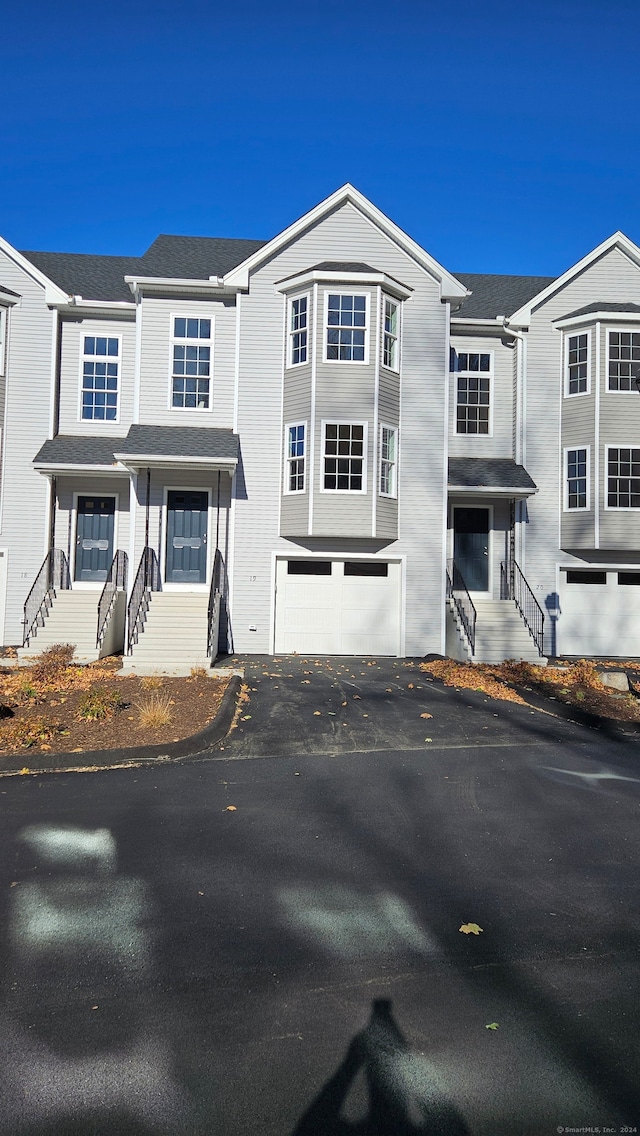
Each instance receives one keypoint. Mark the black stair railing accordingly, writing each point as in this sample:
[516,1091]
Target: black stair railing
[458,594]
[514,586]
[215,601]
[115,582]
[53,577]
[147,581]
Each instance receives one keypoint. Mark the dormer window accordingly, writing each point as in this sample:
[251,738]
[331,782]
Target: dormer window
[298,330]
[346,328]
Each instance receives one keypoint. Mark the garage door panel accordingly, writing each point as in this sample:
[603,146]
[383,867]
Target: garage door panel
[338,614]
[599,618]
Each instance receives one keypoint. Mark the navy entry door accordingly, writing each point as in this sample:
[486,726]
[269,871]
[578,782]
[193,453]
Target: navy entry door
[94,537]
[471,547]
[187,518]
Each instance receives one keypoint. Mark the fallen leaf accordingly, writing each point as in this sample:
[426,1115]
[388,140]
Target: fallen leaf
[245,717]
[428,739]
[409,686]
[44,746]
[231,809]
[470,929]
[306,681]
[357,696]
[317,713]
[425,715]
[25,769]
[492,1026]
[200,893]
[389,690]
[344,703]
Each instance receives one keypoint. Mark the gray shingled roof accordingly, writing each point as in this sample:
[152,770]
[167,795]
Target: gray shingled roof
[68,449]
[603,306]
[498,295]
[179,442]
[342,266]
[496,473]
[195,258]
[81,274]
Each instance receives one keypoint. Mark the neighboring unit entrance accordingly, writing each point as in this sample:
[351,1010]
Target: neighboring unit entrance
[94,538]
[187,520]
[338,607]
[471,547]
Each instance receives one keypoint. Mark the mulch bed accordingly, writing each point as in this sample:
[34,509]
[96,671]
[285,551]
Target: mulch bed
[193,703]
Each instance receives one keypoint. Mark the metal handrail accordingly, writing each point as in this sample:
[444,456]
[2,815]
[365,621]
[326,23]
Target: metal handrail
[147,581]
[53,576]
[116,581]
[213,610]
[514,586]
[457,592]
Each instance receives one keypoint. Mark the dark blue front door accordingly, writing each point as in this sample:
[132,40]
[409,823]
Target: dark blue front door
[471,547]
[187,537]
[94,537]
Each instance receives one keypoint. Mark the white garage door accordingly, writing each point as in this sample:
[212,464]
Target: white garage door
[599,612]
[338,607]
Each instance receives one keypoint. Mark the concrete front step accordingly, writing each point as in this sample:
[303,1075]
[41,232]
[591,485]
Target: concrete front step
[72,618]
[502,634]
[173,638]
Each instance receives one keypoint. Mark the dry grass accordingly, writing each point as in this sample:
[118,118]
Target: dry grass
[154,711]
[151,682]
[198,672]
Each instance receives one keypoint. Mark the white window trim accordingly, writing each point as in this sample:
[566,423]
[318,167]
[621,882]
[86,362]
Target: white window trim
[365,452]
[173,340]
[398,306]
[473,374]
[4,323]
[565,497]
[287,459]
[394,493]
[607,389]
[617,446]
[290,334]
[367,332]
[84,334]
[565,347]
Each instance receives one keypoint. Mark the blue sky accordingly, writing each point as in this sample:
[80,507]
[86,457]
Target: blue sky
[502,137]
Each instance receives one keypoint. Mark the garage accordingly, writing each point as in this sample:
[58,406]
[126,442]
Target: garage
[338,607]
[599,612]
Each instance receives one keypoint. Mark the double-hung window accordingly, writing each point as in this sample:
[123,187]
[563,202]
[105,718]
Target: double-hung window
[298,330]
[346,328]
[473,372]
[577,364]
[344,457]
[191,363]
[388,460]
[390,334]
[624,360]
[100,374]
[576,479]
[295,457]
[623,477]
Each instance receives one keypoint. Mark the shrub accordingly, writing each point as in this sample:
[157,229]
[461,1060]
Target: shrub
[49,663]
[29,732]
[101,702]
[151,682]
[26,691]
[154,711]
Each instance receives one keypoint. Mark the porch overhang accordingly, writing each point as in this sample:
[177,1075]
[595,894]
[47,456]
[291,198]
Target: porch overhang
[178,447]
[72,453]
[489,477]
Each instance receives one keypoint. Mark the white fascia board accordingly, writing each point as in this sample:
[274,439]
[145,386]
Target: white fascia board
[450,288]
[522,317]
[163,461]
[6,300]
[53,469]
[97,306]
[307,278]
[490,491]
[173,283]
[496,323]
[595,317]
[52,293]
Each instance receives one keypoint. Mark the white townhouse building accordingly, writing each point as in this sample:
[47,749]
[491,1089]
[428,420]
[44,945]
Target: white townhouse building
[325,443]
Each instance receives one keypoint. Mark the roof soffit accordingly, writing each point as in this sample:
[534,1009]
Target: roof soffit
[450,287]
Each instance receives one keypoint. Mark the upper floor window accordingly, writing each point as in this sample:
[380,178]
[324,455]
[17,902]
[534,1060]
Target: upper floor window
[624,360]
[298,330]
[388,460]
[295,457]
[344,457]
[346,328]
[390,334]
[191,363]
[100,373]
[577,366]
[623,477]
[473,390]
[576,484]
